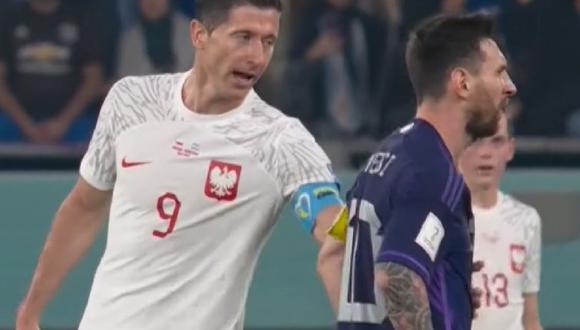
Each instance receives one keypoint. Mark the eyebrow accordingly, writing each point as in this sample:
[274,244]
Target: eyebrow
[253,33]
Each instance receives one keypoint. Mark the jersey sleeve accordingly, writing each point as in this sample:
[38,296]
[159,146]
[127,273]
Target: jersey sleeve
[415,231]
[531,282]
[300,159]
[98,164]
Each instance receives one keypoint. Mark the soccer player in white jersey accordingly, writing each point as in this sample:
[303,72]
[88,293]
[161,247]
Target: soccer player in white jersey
[194,169]
[507,238]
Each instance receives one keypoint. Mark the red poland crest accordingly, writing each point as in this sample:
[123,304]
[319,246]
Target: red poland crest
[518,258]
[222,181]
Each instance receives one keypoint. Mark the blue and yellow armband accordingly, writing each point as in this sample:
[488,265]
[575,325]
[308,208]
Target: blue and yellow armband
[311,199]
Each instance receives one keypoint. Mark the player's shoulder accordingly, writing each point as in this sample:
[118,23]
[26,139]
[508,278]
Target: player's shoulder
[266,116]
[147,97]
[517,211]
[421,162]
[148,85]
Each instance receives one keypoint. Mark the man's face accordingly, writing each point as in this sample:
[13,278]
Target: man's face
[492,90]
[237,52]
[484,161]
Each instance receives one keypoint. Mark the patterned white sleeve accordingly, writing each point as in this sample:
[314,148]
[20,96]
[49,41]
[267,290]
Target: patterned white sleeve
[533,257]
[98,164]
[300,159]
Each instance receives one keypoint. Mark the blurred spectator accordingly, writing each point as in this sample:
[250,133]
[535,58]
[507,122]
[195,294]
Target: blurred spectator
[519,26]
[127,10]
[416,10]
[159,42]
[50,72]
[554,96]
[336,54]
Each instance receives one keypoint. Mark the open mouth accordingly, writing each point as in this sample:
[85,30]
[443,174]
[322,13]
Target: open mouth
[484,169]
[248,77]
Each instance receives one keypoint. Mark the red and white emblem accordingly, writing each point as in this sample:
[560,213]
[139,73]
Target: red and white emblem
[518,258]
[222,181]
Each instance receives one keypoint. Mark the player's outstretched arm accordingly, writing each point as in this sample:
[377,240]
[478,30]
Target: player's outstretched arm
[329,268]
[405,297]
[531,317]
[73,231]
[331,254]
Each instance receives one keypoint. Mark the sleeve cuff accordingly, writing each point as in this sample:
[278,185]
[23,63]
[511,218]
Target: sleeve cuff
[95,183]
[407,261]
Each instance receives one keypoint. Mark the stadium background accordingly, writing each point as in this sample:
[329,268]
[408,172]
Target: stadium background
[286,293]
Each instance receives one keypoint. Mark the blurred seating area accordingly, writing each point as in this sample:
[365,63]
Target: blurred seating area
[339,67]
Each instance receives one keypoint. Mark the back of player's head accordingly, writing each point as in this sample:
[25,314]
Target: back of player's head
[212,13]
[443,42]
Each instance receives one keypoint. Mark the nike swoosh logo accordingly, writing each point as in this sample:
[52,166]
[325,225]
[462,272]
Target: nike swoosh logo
[127,164]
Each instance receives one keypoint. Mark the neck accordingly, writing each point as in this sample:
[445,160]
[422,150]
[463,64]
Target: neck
[449,123]
[484,198]
[201,96]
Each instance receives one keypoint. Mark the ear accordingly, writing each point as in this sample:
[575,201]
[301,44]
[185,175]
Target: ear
[460,82]
[198,34]
[511,149]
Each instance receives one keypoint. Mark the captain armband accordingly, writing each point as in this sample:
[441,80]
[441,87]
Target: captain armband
[311,199]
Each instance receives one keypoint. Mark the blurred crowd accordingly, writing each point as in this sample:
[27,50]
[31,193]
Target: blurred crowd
[339,65]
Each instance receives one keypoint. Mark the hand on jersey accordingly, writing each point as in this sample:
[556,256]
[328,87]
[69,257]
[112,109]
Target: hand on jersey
[476,293]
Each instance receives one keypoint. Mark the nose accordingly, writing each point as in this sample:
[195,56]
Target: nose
[510,87]
[257,54]
[484,150]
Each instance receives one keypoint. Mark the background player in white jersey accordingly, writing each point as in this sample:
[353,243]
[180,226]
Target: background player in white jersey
[195,168]
[507,238]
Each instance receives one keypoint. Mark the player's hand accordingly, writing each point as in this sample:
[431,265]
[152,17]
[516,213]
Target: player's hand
[476,297]
[476,293]
[24,321]
[34,133]
[55,129]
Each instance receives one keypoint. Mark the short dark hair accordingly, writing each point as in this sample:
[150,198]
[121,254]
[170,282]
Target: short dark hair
[212,13]
[442,42]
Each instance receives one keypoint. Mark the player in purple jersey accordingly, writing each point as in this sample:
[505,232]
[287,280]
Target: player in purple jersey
[408,259]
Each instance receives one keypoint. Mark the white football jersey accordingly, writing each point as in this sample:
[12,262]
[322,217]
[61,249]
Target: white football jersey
[508,240]
[194,199]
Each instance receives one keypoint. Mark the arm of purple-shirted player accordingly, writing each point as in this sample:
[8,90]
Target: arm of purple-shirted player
[77,221]
[531,285]
[412,242]
[405,296]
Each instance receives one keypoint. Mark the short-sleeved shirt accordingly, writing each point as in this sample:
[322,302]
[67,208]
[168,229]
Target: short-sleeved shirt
[508,240]
[45,54]
[409,206]
[194,198]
